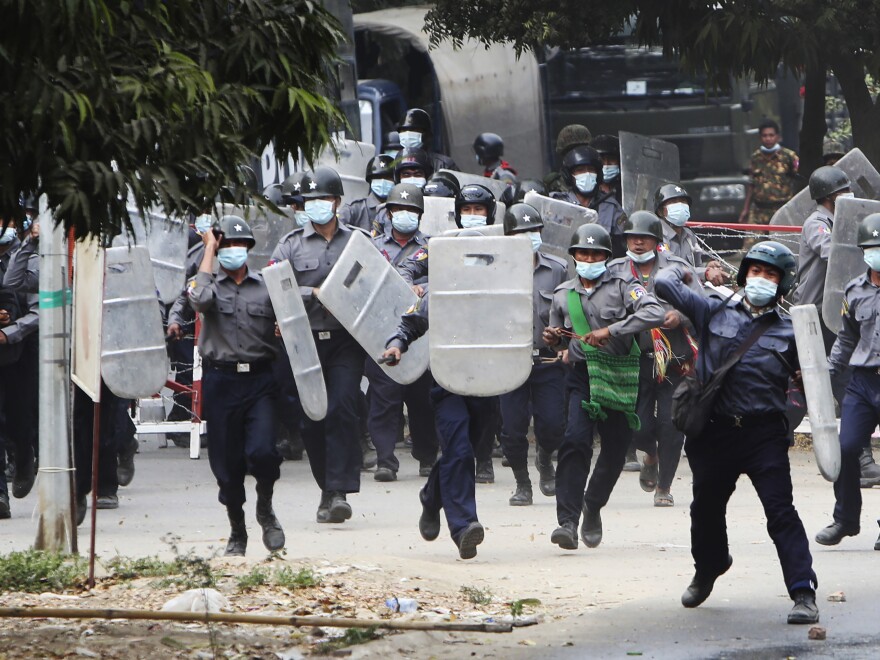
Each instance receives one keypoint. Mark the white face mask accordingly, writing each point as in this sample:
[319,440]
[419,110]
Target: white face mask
[320,211]
[586,183]
[641,258]
[418,181]
[537,241]
[678,213]
[846,195]
[469,220]
[406,222]
[410,140]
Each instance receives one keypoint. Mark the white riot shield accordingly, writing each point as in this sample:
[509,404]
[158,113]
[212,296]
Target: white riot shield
[268,228]
[817,387]
[351,164]
[134,362]
[438,216]
[845,259]
[495,185]
[561,220]
[865,184]
[481,313]
[299,342]
[167,240]
[487,230]
[646,163]
[367,296]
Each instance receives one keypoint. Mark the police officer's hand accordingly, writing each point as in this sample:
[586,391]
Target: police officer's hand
[209,238]
[598,337]
[552,336]
[35,232]
[174,331]
[672,320]
[715,274]
[418,289]
[564,355]
[277,329]
[391,356]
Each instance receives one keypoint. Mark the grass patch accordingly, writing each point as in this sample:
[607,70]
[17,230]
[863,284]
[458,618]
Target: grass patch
[287,578]
[34,571]
[476,595]
[352,637]
[250,581]
[517,607]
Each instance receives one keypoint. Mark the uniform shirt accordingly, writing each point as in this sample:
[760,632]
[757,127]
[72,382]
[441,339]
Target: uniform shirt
[312,258]
[815,247]
[757,383]
[26,313]
[503,171]
[549,273]
[23,270]
[180,312]
[238,322]
[414,269]
[685,246]
[858,342]
[611,214]
[615,302]
[360,212]
[413,324]
[394,251]
[773,176]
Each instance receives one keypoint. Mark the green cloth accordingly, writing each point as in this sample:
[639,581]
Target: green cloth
[614,379]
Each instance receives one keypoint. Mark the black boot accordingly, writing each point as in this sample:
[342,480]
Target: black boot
[237,544]
[368,452]
[835,532]
[485,472]
[25,475]
[565,536]
[340,509]
[125,465]
[273,535]
[546,472]
[805,609]
[523,494]
[323,515]
[870,471]
[701,587]
[4,506]
[591,528]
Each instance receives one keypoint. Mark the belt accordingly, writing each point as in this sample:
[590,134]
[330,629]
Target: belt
[240,367]
[744,421]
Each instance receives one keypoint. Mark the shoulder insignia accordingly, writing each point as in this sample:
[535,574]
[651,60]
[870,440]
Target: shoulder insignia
[638,292]
[419,255]
[844,308]
[662,247]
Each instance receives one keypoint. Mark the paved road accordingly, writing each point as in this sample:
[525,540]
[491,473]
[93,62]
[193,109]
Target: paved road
[620,598]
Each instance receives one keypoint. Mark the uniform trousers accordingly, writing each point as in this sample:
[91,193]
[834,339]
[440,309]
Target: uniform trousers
[576,452]
[758,449]
[115,428]
[461,422]
[658,435]
[18,409]
[333,444]
[239,411]
[386,416]
[542,396]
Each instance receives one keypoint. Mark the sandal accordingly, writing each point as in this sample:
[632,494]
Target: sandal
[663,499]
[648,477]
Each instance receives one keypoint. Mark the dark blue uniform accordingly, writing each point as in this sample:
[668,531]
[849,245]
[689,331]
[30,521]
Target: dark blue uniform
[747,432]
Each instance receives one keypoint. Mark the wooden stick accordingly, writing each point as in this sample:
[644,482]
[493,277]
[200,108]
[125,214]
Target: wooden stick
[261,619]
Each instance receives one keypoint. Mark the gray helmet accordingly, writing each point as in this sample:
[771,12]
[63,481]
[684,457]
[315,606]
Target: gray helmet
[474,193]
[408,195]
[292,188]
[607,145]
[774,254]
[577,157]
[826,181]
[669,191]
[323,182]
[234,228]
[489,147]
[869,231]
[380,166]
[416,120]
[520,218]
[644,223]
[274,194]
[442,184]
[590,237]
[573,135]
[413,159]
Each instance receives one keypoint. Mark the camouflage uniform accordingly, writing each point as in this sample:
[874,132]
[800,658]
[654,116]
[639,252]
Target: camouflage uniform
[772,183]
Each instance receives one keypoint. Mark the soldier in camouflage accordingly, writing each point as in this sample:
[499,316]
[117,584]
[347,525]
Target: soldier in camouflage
[773,170]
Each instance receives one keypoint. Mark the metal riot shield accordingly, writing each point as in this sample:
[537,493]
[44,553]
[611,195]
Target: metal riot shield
[481,313]
[290,312]
[167,240]
[268,228]
[817,387]
[438,216]
[134,362]
[497,186]
[845,259]
[561,220]
[350,162]
[646,163]
[487,230]
[865,184]
[367,296]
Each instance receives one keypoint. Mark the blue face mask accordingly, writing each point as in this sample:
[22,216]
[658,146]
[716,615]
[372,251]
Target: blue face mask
[678,214]
[872,258]
[381,187]
[586,183]
[7,236]
[410,140]
[232,258]
[406,222]
[610,172]
[776,147]
[641,258]
[203,222]
[537,241]
[760,291]
[418,181]
[301,217]
[590,271]
[469,220]
[320,211]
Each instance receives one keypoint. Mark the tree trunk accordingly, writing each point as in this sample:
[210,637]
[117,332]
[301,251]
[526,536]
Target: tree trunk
[813,125]
[864,113]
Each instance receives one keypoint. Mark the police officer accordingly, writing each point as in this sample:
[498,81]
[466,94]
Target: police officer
[747,430]
[489,151]
[292,195]
[542,395]
[380,176]
[333,444]
[604,310]
[401,239]
[237,346]
[412,166]
[571,136]
[391,144]
[672,203]
[10,430]
[608,147]
[668,353]
[582,172]
[416,132]
[526,186]
[857,347]
[441,184]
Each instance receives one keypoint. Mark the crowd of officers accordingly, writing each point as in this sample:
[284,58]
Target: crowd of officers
[610,346]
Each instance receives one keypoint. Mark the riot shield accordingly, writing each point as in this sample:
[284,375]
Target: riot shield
[350,162]
[438,216]
[865,180]
[367,296]
[845,259]
[646,163]
[817,387]
[268,228]
[299,342]
[481,313]
[561,220]
[464,179]
[487,230]
[134,362]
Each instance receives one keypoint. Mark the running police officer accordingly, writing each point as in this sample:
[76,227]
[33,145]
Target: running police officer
[238,346]
[416,132]
[542,396]
[745,434]
[380,176]
[489,150]
[603,311]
